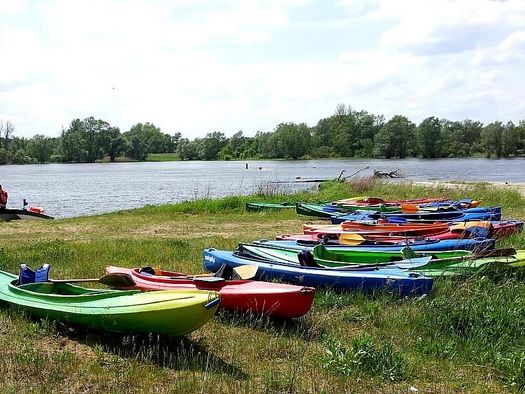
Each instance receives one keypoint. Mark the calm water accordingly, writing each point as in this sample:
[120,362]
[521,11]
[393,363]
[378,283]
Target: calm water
[66,190]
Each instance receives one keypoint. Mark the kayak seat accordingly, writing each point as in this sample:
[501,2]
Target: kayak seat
[306,259]
[27,275]
[147,271]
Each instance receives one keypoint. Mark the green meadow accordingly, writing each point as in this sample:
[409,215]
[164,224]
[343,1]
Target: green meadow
[466,336]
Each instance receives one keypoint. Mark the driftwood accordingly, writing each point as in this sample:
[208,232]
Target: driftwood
[391,174]
[355,173]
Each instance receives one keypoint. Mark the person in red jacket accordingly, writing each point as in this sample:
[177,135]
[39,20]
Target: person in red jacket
[3,198]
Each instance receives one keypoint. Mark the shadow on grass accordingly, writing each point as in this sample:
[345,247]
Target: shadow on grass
[302,328]
[178,353]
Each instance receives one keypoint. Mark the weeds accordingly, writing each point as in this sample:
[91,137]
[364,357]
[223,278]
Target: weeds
[365,358]
[270,189]
[362,184]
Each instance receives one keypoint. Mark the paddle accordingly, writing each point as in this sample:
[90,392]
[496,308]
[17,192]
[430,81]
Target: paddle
[351,239]
[114,279]
[412,262]
[401,264]
[245,271]
[494,253]
[462,226]
[409,208]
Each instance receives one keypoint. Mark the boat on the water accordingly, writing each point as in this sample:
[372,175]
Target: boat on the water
[173,313]
[22,214]
[246,296]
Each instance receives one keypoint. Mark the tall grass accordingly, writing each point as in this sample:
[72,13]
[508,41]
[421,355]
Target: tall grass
[163,157]
[365,358]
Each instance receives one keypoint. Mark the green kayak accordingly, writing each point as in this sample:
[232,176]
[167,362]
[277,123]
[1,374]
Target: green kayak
[337,258]
[173,313]
[453,262]
[260,206]
[327,257]
[443,263]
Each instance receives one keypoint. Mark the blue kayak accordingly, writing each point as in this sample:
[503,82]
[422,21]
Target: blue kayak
[487,213]
[366,279]
[476,244]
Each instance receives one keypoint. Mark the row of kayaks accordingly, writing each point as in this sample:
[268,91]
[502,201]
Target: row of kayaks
[375,243]
[372,255]
[369,208]
[365,270]
[150,300]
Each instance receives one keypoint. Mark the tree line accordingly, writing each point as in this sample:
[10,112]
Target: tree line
[85,141]
[345,134]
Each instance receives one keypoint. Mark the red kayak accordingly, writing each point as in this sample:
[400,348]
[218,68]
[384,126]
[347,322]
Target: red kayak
[496,230]
[364,201]
[378,229]
[247,296]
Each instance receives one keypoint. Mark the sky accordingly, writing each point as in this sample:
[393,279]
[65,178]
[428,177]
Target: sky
[197,66]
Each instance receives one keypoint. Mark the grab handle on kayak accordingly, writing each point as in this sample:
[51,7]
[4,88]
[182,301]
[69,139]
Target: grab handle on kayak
[213,302]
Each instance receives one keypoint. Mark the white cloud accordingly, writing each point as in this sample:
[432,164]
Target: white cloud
[447,58]
[181,65]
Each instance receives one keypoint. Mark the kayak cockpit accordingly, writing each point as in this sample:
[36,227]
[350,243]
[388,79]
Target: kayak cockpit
[58,288]
[65,291]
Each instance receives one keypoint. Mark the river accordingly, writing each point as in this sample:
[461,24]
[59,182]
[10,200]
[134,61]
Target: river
[67,190]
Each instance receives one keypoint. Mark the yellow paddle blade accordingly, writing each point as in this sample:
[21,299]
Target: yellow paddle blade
[459,227]
[351,239]
[246,271]
[475,203]
[351,199]
[409,208]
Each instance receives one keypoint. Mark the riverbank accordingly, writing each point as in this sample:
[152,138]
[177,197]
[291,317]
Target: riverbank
[457,339]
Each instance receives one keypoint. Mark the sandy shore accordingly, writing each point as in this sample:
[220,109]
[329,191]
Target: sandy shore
[454,185]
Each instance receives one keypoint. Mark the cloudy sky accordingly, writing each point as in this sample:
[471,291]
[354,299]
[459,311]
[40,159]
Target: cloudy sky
[197,66]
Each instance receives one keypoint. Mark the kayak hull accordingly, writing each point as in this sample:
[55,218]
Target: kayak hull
[244,296]
[8,215]
[261,206]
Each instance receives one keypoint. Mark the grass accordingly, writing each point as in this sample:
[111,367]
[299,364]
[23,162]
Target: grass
[163,157]
[465,336]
